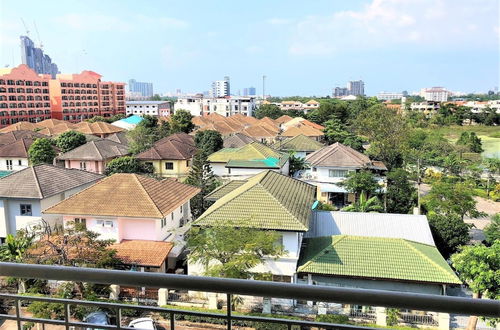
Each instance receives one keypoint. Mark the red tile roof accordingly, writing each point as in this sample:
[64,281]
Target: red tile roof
[142,253]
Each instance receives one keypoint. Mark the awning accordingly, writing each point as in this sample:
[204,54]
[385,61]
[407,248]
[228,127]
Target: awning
[330,187]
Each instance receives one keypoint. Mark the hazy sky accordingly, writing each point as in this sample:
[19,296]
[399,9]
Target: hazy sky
[303,47]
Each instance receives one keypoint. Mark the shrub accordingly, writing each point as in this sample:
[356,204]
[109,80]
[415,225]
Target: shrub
[332,318]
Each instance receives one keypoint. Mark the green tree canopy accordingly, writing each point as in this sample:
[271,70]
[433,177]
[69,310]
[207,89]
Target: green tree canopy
[230,251]
[201,176]
[96,119]
[335,131]
[15,247]
[41,151]
[492,231]
[209,141]
[296,164]
[181,121]
[449,232]
[69,140]
[471,141]
[400,193]
[364,204]
[362,181]
[268,110]
[127,164]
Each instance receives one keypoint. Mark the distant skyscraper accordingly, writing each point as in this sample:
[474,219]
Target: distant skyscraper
[221,88]
[34,58]
[144,88]
[340,91]
[250,91]
[356,87]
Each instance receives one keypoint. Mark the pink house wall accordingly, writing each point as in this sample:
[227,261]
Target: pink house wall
[92,165]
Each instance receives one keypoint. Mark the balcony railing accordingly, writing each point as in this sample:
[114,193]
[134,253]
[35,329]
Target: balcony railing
[229,287]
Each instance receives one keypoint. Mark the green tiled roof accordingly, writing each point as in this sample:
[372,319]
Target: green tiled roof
[268,200]
[251,151]
[375,257]
[298,143]
[224,189]
[270,162]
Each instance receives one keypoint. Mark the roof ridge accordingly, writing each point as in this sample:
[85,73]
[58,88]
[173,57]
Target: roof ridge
[37,181]
[136,176]
[407,242]
[326,247]
[97,149]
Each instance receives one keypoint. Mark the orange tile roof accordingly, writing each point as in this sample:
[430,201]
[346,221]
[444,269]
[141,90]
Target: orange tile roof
[214,117]
[58,129]
[302,129]
[257,131]
[244,119]
[269,121]
[97,128]
[127,195]
[313,125]
[142,253]
[22,125]
[200,121]
[50,123]
[283,119]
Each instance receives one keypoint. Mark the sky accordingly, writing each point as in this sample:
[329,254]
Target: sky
[303,47]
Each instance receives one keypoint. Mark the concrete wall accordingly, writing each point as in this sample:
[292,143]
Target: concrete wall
[10,209]
[90,166]
[15,163]
[180,170]
[220,169]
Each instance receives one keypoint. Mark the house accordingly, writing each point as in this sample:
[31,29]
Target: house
[261,133]
[93,155]
[13,136]
[283,119]
[236,140]
[126,207]
[14,156]
[170,156]
[302,129]
[284,205]
[380,263]
[58,128]
[310,105]
[100,129]
[128,123]
[26,193]
[299,145]
[21,125]
[243,162]
[330,165]
[297,121]
[146,256]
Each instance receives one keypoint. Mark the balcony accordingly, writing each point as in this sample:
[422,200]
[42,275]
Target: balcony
[226,288]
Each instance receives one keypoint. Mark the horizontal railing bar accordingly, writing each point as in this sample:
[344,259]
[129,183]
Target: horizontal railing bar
[366,297]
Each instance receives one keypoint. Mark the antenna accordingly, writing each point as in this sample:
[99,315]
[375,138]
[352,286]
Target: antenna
[27,31]
[264,87]
[38,35]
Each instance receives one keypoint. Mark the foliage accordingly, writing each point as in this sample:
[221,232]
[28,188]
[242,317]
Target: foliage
[495,193]
[268,110]
[231,250]
[386,131]
[451,199]
[492,164]
[146,133]
[492,231]
[127,164]
[297,164]
[41,152]
[364,180]
[364,204]
[209,141]
[70,140]
[332,318]
[425,146]
[96,119]
[181,122]
[478,266]
[449,232]
[335,131]
[471,141]
[14,248]
[326,207]
[400,193]
[201,176]
[392,316]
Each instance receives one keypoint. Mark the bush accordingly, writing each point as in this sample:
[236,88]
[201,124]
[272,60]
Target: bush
[332,318]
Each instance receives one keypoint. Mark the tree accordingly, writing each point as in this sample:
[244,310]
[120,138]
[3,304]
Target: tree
[96,119]
[41,151]
[296,164]
[209,141]
[127,164]
[400,193]
[155,97]
[181,121]
[478,266]
[15,247]
[449,232]
[232,250]
[201,176]
[450,199]
[70,140]
[386,131]
[492,231]
[364,204]
[268,110]
[116,117]
[362,181]
[141,138]
[471,141]
[335,131]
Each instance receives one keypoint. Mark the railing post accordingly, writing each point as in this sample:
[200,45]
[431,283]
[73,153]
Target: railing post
[66,315]
[18,314]
[172,321]
[229,307]
[119,318]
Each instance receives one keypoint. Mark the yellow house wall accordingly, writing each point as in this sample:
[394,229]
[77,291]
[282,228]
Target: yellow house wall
[180,169]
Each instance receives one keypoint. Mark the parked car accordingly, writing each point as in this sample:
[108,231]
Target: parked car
[143,323]
[99,317]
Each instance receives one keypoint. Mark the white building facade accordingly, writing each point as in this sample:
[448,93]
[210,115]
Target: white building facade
[152,108]
[437,94]
[225,106]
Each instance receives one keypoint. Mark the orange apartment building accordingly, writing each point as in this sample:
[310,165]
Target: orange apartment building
[71,97]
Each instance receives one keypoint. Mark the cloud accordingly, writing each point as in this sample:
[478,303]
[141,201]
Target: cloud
[398,23]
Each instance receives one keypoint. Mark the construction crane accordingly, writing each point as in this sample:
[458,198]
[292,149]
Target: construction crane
[27,31]
[38,35]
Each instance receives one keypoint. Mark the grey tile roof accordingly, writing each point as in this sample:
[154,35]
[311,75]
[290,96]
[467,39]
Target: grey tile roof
[176,146]
[96,150]
[17,148]
[237,140]
[43,181]
[13,136]
[339,155]
[406,226]
[120,137]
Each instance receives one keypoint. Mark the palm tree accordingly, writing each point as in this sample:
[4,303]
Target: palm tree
[15,246]
[364,204]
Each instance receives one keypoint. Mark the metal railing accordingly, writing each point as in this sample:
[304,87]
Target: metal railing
[229,287]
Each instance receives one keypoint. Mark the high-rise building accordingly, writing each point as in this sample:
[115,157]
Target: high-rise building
[340,91]
[34,58]
[250,91]
[221,88]
[356,87]
[143,89]
[437,94]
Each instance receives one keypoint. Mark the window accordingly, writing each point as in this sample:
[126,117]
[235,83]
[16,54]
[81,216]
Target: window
[25,209]
[169,166]
[19,162]
[108,224]
[81,221]
[172,216]
[83,166]
[99,223]
[314,169]
[337,173]
[180,210]
[282,278]
[8,163]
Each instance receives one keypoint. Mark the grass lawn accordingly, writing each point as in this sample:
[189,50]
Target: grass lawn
[490,136]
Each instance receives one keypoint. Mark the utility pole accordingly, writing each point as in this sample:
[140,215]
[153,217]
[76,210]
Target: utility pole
[263,87]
